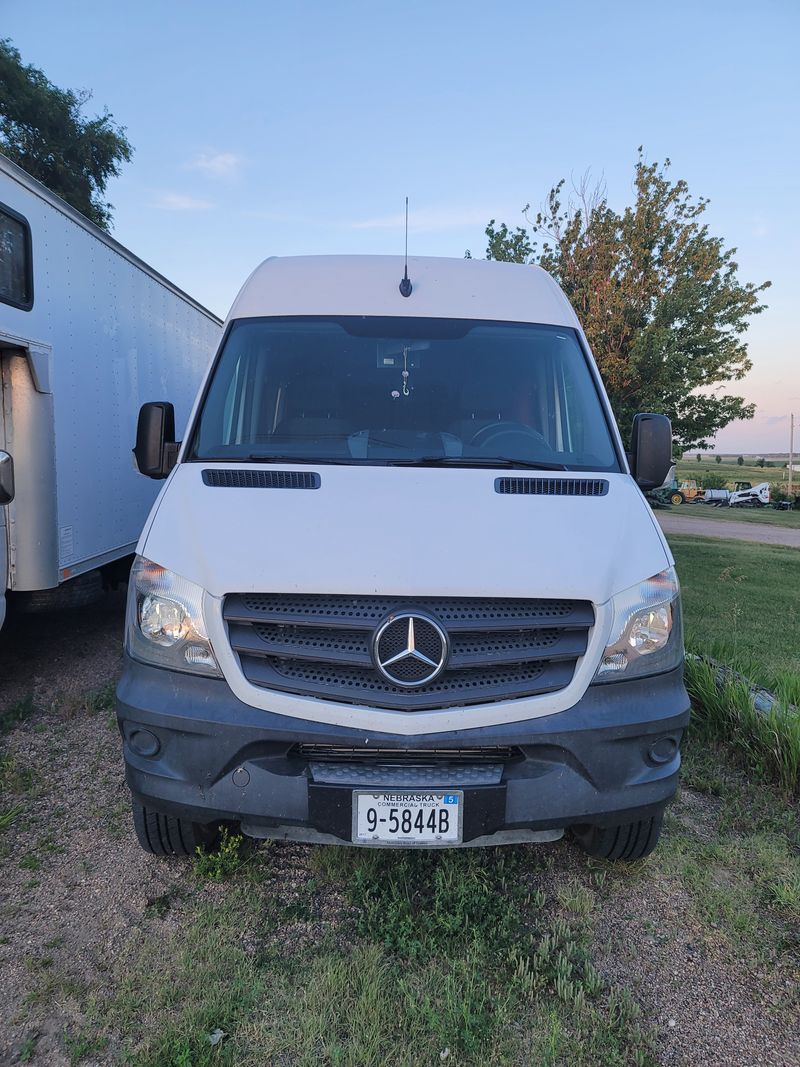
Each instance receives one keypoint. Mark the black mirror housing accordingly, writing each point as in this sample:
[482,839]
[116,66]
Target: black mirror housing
[651,450]
[6,478]
[156,449]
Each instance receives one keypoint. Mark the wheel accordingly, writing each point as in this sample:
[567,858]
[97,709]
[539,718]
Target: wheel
[630,841]
[676,498]
[166,835]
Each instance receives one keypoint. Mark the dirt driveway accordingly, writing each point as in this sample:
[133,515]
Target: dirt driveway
[728,530]
[106,951]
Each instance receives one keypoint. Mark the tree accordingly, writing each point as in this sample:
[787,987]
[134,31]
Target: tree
[740,461]
[761,462]
[42,129]
[657,295]
[699,458]
[718,459]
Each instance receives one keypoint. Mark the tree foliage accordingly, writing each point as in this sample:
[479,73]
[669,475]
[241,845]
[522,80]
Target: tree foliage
[657,294]
[42,129]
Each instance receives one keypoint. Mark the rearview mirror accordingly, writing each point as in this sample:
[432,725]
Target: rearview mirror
[651,450]
[156,449]
[6,478]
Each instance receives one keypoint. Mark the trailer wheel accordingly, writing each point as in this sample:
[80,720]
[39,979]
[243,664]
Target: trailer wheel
[629,841]
[166,835]
[676,498]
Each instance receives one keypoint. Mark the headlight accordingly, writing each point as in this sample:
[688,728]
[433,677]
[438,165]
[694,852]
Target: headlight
[164,623]
[646,634]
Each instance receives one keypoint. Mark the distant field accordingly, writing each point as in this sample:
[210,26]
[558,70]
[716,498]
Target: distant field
[732,472]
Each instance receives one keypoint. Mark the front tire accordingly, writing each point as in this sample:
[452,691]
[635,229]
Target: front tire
[166,835]
[628,841]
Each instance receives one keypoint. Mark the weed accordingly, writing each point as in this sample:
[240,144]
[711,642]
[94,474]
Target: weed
[27,1049]
[724,710]
[8,815]
[82,1044]
[576,898]
[16,713]
[224,861]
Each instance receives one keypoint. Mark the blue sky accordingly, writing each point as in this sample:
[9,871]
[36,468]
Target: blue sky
[278,128]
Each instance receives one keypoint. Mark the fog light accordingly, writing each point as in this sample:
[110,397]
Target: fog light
[663,750]
[144,743]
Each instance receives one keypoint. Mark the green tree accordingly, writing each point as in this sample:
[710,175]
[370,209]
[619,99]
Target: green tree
[42,129]
[761,462]
[718,459]
[740,461]
[657,294]
[699,458]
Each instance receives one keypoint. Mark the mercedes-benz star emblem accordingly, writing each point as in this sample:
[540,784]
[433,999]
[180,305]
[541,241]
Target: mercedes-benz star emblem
[410,649]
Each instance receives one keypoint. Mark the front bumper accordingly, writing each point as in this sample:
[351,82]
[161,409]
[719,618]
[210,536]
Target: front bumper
[194,750]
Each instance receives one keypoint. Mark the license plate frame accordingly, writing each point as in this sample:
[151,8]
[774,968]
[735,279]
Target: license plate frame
[394,800]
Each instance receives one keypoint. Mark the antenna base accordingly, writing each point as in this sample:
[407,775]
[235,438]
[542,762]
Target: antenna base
[405,287]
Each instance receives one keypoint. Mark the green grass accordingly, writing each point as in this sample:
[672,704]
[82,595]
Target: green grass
[741,604]
[757,516]
[400,958]
[741,609]
[744,872]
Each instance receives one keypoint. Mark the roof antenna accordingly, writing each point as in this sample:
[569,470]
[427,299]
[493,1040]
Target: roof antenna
[405,284]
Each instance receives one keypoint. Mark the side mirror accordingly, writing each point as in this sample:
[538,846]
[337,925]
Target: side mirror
[156,449]
[6,478]
[651,450]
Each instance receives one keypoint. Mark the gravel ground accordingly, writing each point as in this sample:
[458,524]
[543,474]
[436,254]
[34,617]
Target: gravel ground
[76,888]
[728,530]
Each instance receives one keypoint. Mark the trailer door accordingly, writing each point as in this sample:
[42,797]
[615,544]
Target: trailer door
[30,544]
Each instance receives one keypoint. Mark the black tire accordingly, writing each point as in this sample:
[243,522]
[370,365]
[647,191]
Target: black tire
[629,841]
[166,835]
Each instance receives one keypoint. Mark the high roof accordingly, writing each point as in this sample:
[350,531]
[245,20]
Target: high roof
[369,285]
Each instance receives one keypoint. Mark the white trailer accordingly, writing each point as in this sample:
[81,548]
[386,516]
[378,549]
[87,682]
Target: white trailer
[88,332]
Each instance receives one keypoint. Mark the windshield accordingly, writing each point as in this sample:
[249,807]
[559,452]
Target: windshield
[402,390]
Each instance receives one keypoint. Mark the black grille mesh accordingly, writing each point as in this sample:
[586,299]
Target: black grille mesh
[552,486]
[249,479]
[321,646]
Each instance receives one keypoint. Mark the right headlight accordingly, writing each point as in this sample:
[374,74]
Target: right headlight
[165,625]
[646,633]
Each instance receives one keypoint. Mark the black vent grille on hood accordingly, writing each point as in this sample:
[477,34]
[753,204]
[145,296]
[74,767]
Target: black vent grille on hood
[552,486]
[238,479]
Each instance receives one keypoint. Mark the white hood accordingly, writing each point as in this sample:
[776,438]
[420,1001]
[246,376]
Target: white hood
[403,531]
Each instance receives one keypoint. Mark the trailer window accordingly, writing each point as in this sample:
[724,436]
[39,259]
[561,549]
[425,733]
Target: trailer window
[16,271]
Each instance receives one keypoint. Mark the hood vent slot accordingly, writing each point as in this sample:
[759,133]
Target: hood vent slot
[238,479]
[552,486]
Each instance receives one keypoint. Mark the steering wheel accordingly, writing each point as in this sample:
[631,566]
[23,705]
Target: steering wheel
[506,428]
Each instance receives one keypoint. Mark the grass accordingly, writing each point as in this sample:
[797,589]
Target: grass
[756,516]
[741,605]
[743,869]
[398,958]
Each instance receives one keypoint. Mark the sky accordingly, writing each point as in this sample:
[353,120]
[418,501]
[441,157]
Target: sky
[266,128]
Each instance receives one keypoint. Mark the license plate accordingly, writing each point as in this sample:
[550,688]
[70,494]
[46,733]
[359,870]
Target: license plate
[407,818]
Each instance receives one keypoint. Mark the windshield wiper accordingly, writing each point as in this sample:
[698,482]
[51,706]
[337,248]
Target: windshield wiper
[263,457]
[501,462]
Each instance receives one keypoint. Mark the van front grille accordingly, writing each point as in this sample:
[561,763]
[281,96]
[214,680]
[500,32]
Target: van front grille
[321,646]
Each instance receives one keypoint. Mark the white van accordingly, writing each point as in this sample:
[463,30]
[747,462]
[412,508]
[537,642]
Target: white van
[401,586]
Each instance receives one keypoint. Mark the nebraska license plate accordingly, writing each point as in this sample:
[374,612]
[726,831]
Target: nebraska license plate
[433,818]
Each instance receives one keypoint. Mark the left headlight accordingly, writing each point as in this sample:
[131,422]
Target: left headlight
[646,633]
[164,624]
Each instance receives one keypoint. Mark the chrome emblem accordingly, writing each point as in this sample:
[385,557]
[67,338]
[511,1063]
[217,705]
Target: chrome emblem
[410,649]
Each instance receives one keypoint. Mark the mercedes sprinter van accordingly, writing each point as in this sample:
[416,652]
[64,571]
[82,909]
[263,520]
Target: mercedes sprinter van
[401,586]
